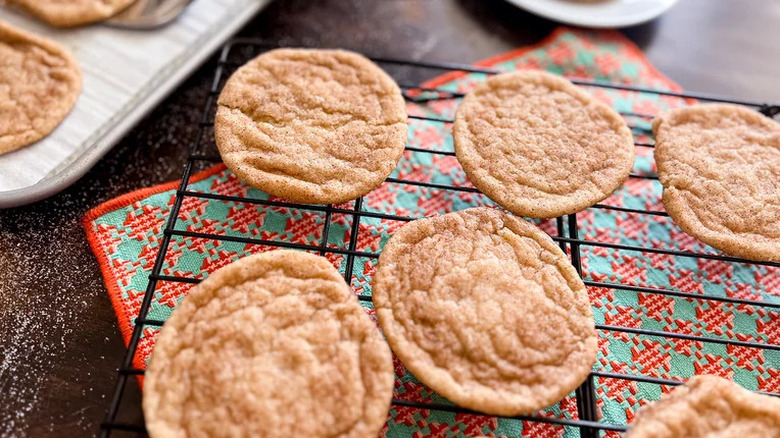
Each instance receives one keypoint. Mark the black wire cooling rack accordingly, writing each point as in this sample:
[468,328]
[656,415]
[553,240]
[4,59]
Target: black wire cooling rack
[568,238]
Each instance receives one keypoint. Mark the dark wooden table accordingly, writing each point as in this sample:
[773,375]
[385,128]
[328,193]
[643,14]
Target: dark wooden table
[59,341]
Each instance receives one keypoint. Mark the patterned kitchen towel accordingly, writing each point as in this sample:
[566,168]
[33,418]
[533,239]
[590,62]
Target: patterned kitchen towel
[126,233]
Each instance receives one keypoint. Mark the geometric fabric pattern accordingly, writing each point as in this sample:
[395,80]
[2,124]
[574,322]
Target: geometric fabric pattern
[735,303]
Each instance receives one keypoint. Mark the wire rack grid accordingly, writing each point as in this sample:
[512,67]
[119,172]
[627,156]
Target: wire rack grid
[567,228]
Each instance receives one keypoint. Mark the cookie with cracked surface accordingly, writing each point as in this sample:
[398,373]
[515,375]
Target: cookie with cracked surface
[709,406]
[720,168]
[312,126]
[71,13]
[485,309]
[539,146]
[275,344]
[40,82]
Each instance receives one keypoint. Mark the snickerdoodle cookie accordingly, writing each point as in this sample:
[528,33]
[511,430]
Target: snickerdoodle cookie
[485,309]
[709,406]
[313,126]
[40,82]
[539,146]
[720,168]
[274,344]
[69,13]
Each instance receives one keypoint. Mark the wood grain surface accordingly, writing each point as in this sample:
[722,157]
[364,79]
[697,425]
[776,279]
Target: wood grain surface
[59,341]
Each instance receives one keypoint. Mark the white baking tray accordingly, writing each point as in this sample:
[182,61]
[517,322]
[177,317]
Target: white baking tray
[125,75]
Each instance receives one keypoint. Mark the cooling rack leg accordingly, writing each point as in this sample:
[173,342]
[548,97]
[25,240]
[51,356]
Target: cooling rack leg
[353,241]
[586,393]
[586,407]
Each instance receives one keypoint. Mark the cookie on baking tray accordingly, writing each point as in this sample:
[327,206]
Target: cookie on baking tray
[539,146]
[311,126]
[485,309]
[41,82]
[709,406]
[274,344]
[720,168]
[70,13]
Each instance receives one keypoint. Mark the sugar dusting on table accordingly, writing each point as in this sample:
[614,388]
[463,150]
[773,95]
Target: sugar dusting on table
[30,370]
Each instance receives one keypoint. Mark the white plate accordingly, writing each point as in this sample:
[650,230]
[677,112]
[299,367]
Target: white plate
[597,13]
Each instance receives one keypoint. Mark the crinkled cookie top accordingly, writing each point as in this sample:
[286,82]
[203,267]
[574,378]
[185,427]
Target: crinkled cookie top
[272,345]
[707,407]
[720,168]
[485,309]
[539,146]
[313,126]
[40,82]
[70,13]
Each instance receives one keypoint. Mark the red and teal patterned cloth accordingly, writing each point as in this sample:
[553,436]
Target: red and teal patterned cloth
[125,234]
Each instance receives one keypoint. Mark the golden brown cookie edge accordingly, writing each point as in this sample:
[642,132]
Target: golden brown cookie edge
[240,271]
[14,33]
[714,383]
[434,378]
[530,209]
[69,17]
[675,204]
[223,133]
